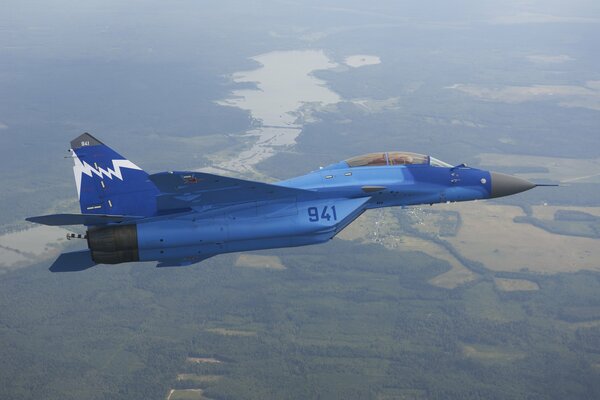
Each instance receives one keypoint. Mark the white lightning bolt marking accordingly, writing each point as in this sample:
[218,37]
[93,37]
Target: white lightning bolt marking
[82,167]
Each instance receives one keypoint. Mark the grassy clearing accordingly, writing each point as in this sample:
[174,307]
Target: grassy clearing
[10,257]
[258,261]
[382,227]
[23,248]
[561,169]
[514,285]
[186,394]
[458,275]
[203,360]
[547,212]
[373,226]
[198,378]
[491,353]
[489,235]
[34,241]
[230,332]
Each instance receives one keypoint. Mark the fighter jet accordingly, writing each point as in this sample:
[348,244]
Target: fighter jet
[180,218]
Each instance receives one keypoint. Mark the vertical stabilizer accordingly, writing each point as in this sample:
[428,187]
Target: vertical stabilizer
[108,183]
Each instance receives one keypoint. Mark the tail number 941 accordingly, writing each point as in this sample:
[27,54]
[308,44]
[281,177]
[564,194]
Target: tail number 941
[317,213]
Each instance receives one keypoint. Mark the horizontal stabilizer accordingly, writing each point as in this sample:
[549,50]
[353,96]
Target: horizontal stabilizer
[80,219]
[182,189]
[74,261]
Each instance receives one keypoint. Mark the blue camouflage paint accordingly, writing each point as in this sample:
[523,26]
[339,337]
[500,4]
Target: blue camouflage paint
[109,184]
[182,217]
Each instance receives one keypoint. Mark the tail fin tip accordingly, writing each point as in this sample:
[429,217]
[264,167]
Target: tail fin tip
[85,139]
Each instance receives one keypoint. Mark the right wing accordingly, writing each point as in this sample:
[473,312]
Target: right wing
[181,189]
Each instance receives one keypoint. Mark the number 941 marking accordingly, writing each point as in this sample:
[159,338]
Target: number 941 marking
[327,213]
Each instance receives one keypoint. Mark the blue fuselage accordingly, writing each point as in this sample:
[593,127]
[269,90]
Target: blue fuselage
[336,195]
[182,217]
[388,186]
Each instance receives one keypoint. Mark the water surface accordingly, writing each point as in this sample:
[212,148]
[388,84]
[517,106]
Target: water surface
[285,90]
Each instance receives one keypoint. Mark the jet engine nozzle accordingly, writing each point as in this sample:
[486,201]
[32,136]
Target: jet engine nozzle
[113,244]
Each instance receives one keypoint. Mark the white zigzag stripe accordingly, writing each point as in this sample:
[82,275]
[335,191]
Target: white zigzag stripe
[82,167]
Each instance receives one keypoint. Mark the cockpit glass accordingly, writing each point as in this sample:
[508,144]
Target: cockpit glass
[439,163]
[394,158]
[404,158]
[368,160]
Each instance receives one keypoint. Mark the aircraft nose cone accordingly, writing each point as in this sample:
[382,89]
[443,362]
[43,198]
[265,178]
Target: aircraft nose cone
[505,185]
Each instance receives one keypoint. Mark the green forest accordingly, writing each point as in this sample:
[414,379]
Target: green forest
[343,320]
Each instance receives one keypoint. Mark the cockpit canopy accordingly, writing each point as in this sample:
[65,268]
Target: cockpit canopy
[394,158]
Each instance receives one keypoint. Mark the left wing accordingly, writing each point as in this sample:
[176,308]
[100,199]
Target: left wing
[80,219]
[181,189]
